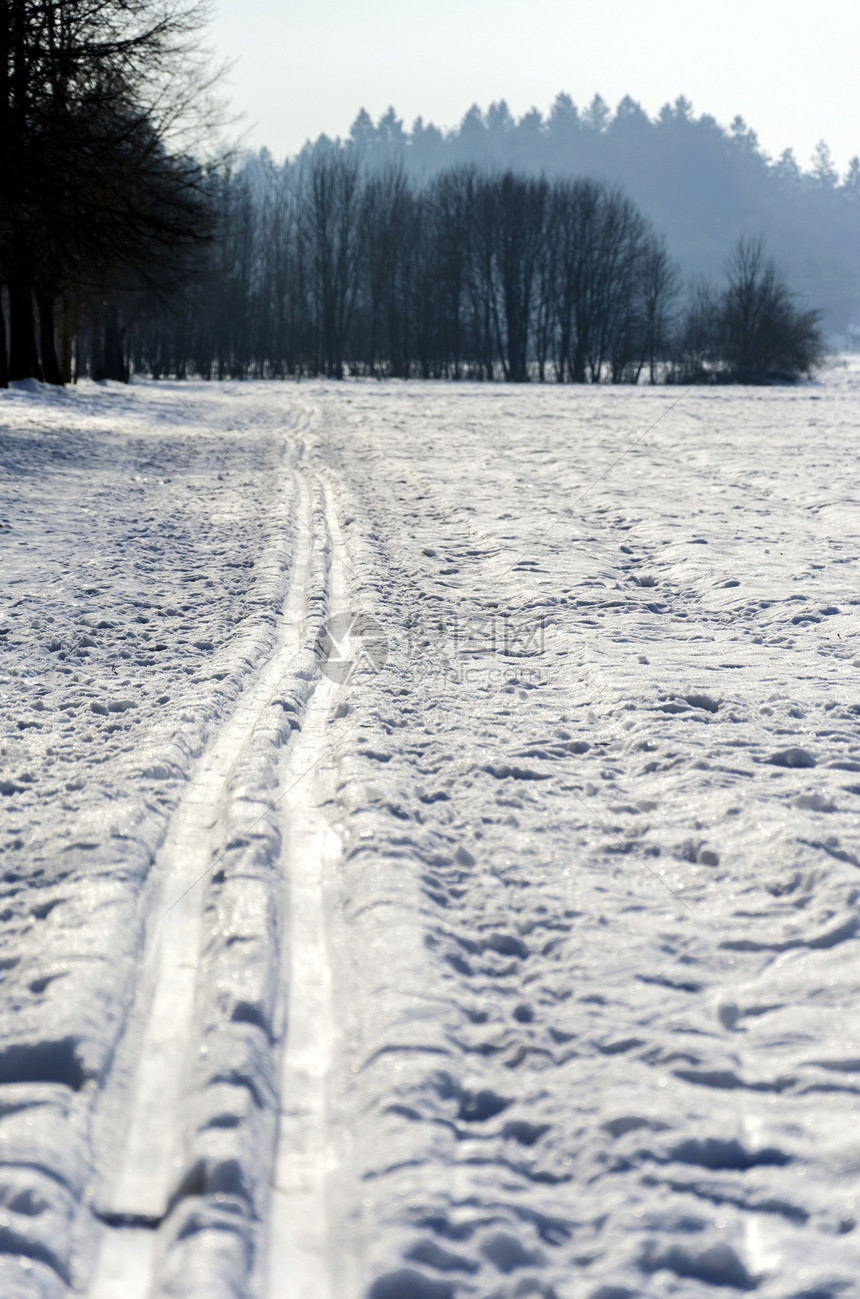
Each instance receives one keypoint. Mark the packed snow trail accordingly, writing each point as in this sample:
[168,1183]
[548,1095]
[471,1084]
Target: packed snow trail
[300,1259]
[209,894]
[139,1189]
[528,962]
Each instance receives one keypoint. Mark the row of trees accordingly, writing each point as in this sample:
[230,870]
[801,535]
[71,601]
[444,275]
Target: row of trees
[326,268]
[100,104]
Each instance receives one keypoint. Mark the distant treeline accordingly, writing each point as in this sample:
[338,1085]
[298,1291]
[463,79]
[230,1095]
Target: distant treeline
[537,248]
[702,184]
[326,268]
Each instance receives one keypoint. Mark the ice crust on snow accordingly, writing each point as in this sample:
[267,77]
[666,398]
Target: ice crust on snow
[593,923]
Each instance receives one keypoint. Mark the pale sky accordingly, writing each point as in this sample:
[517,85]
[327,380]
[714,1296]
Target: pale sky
[789,68]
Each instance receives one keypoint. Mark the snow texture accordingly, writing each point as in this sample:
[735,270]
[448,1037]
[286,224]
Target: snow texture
[430,828]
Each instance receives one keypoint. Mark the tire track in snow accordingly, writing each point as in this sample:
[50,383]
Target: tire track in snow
[154,1077]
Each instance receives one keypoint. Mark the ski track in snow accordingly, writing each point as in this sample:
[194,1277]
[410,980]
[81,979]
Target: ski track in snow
[299,1261]
[523,960]
[142,1189]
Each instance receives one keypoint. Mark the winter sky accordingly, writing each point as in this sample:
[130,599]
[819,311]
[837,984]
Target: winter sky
[788,66]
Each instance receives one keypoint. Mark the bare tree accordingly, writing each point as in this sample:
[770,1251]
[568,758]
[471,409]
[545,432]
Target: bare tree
[697,345]
[763,333]
[97,98]
[447,227]
[521,205]
[481,282]
[388,244]
[659,283]
[330,216]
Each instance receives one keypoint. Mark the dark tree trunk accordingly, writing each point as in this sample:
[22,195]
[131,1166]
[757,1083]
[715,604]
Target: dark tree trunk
[23,358]
[50,365]
[66,342]
[4,368]
[563,353]
[115,362]
[578,366]
[111,362]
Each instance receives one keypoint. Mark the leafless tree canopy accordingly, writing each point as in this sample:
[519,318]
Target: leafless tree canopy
[752,330]
[325,268]
[101,103]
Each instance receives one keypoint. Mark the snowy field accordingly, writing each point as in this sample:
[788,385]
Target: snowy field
[430,830]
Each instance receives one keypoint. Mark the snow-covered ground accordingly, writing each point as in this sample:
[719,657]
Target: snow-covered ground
[430,829]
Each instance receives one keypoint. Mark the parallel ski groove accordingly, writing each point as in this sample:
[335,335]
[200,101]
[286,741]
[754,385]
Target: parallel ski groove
[147,1168]
[299,1259]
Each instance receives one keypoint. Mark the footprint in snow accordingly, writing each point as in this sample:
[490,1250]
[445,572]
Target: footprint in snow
[507,1253]
[791,757]
[478,1107]
[813,803]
